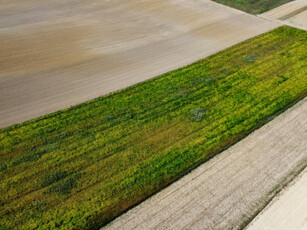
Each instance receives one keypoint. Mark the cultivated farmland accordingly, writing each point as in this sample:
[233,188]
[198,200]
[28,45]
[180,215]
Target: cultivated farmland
[230,189]
[81,167]
[55,54]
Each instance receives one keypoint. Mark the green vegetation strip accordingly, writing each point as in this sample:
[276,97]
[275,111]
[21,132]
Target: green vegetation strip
[253,6]
[80,167]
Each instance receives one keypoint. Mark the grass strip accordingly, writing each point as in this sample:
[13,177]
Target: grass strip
[253,6]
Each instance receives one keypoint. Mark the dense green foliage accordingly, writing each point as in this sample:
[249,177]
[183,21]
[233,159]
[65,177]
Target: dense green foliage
[253,6]
[81,167]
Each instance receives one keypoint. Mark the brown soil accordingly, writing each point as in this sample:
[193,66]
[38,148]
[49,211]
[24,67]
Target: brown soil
[54,54]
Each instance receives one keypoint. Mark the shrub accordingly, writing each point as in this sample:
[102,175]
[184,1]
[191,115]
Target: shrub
[65,186]
[2,167]
[53,177]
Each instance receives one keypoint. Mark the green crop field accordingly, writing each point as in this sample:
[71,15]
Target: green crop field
[81,167]
[253,6]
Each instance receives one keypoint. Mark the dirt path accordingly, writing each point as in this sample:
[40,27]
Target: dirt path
[231,188]
[293,14]
[54,54]
[287,210]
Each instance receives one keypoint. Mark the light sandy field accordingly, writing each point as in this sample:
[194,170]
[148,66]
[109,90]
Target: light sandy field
[54,54]
[287,211]
[230,189]
[292,14]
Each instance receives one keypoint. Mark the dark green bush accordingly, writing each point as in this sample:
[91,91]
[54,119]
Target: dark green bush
[65,186]
[53,177]
[3,167]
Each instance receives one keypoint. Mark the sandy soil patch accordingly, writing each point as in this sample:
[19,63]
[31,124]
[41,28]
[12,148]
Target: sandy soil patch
[228,190]
[292,14]
[287,210]
[54,54]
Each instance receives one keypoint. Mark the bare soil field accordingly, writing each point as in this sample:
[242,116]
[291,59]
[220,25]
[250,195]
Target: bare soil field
[293,14]
[287,210]
[230,189]
[54,54]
